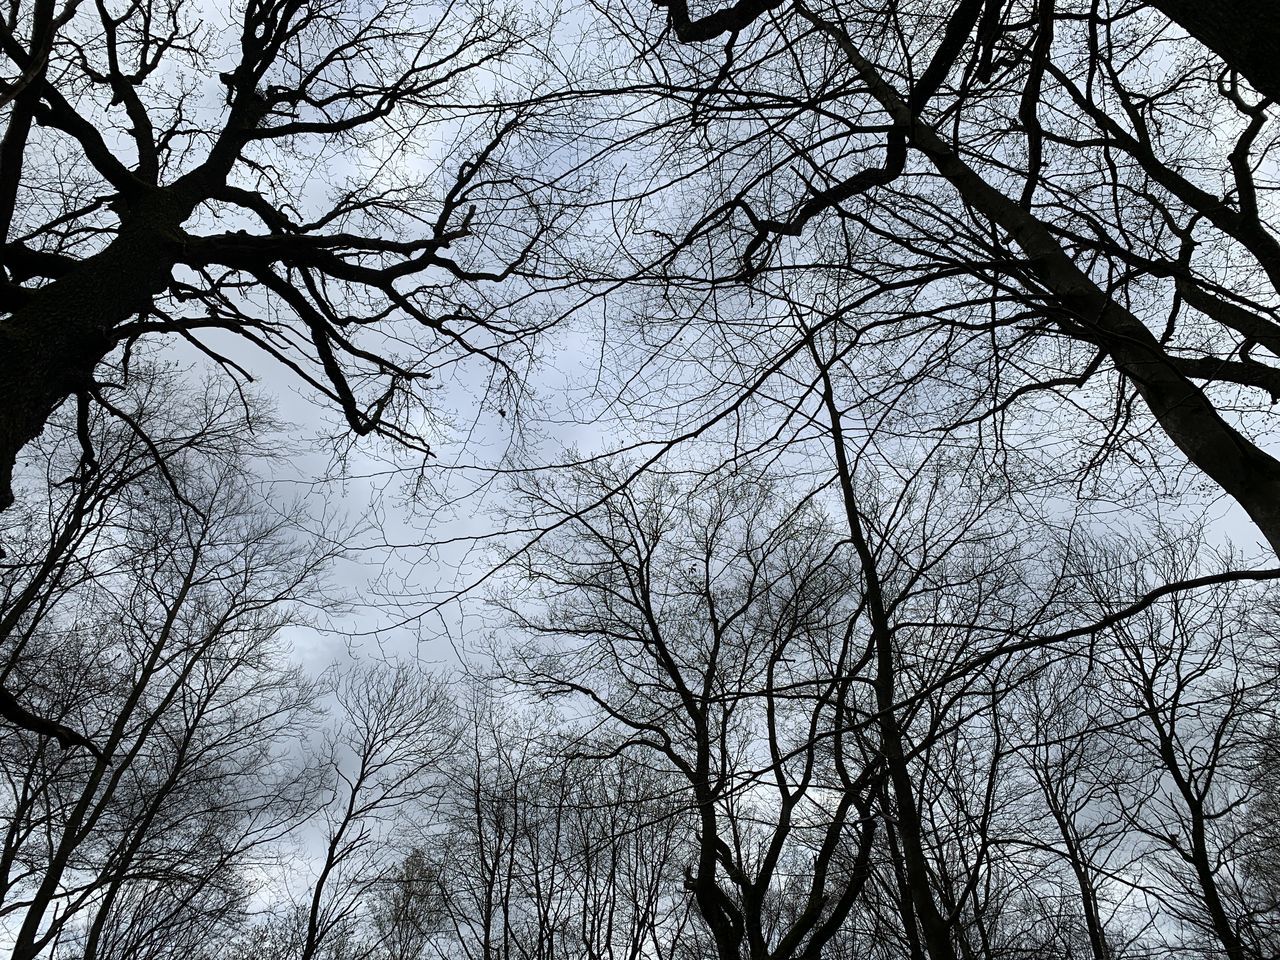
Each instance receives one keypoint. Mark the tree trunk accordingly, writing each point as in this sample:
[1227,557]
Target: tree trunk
[1244,33]
[51,345]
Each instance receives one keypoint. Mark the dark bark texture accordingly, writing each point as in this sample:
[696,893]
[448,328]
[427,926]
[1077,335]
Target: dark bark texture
[1244,33]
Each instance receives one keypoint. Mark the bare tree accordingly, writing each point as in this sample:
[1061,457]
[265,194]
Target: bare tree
[165,173]
[385,759]
[1193,683]
[715,630]
[1050,220]
[854,665]
[546,854]
[153,620]
[855,720]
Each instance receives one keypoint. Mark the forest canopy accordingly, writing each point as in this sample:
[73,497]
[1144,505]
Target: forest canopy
[757,480]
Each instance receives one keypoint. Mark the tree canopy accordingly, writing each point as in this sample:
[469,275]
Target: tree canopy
[859,527]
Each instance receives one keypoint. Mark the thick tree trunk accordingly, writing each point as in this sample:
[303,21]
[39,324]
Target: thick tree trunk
[1244,33]
[50,346]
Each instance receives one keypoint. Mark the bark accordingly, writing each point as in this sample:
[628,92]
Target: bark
[1244,33]
[50,346]
[14,144]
